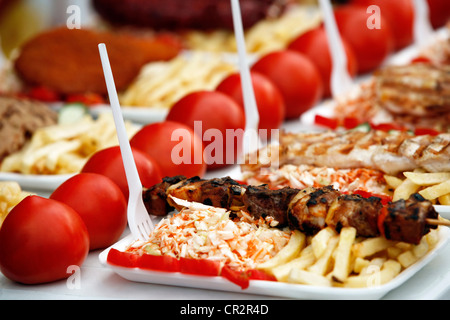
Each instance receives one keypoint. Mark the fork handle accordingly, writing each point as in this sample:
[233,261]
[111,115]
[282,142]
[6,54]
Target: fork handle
[132,175]
[341,80]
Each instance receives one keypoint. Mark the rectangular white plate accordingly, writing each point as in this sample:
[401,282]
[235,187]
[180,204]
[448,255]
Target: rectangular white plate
[269,288]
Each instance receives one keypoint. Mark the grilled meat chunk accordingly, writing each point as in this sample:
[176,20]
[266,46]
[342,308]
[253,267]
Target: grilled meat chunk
[308,210]
[406,219]
[260,201]
[419,89]
[358,212]
[155,197]
[215,192]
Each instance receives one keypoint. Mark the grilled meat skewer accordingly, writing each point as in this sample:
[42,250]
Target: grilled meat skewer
[308,210]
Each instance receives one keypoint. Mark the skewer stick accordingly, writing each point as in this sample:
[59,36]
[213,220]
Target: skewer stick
[438,222]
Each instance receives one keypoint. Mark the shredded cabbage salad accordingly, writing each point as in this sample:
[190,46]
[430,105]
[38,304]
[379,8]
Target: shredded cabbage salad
[303,176]
[202,232]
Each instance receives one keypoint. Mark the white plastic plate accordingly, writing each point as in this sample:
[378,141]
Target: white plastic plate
[269,288]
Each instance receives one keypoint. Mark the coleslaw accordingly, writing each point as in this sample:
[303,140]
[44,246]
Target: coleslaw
[203,232]
[303,176]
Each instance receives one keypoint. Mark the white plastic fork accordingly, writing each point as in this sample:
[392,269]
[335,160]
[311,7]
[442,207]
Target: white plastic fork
[341,81]
[423,31]
[139,221]
[251,141]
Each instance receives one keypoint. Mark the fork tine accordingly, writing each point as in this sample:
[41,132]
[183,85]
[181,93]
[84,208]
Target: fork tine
[142,233]
[145,229]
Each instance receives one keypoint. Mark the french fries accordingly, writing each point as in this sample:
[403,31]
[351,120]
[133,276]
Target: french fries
[161,84]
[64,149]
[342,258]
[265,36]
[10,195]
[319,242]
[436,191]
[433,186]
[427,179]
[291,250]
[345,260]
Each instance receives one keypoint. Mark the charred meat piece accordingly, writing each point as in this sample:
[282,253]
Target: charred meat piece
[358,212]
[155,197]
[260,201]
[214,192]
[308,210]
[406,219]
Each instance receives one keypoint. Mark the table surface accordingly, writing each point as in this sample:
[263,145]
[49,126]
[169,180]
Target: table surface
[99,282]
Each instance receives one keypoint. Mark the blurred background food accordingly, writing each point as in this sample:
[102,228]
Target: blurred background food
[192,14]
[67,60]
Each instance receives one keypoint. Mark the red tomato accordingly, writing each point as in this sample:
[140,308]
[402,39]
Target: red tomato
[108,162]
[86,98]
[296,77]
[314,44]
[387,126]
[371,46]
[218,119]
[400,16]
[44,94]
[426,131]
[268,98]
[439,12]
[39,239]
[203,267]
[163,141]
[100,203]
[331,123]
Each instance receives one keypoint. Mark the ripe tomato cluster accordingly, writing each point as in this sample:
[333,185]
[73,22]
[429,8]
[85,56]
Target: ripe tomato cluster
[42,238]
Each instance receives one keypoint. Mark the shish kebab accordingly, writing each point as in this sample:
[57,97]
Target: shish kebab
[308,210]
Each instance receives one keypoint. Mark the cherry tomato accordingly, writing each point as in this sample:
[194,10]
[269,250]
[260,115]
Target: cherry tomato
[174,146]
[400,16]
[296,77]
[100,203]
[439,12]
[371,46]
[108,162]
[314,44]
[268,98]
[39,239]
[218,118]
